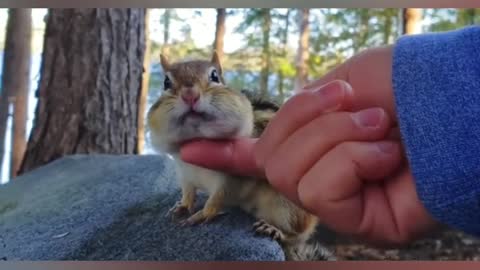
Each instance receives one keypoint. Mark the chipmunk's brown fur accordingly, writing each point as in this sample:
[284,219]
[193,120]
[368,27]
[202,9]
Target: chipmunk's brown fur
[196,104]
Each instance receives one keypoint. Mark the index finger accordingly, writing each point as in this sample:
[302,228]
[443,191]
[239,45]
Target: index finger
[232,156]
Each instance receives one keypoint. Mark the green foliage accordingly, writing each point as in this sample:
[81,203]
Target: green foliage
[441,19]
[468,16]
[285,66]
[450,18]
[170,15]
[182,49]
[335,35]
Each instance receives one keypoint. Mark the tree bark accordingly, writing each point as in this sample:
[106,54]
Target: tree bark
[167,15]
[411,21]
[91,80]
[361,37]
[218,45]
[302,51]
[16,83]
[387,30]
[142,101]
[265,72]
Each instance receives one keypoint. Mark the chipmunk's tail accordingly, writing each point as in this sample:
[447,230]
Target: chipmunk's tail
[314,251]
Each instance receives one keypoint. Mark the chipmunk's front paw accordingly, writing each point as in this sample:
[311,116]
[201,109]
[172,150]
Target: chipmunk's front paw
[194,219]
[261,227]
[178,211]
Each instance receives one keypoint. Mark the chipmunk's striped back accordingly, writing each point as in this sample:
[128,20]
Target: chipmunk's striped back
[264,110]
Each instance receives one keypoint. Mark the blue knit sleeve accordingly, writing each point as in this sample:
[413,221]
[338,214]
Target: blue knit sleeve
[436,81]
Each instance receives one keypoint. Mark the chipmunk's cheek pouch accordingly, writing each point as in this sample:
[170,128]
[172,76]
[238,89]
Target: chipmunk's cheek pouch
[219,129]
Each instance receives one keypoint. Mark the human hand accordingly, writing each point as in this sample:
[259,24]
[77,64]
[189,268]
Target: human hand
[317,153]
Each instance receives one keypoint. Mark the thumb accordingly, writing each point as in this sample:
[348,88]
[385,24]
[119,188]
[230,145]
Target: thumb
[232,156]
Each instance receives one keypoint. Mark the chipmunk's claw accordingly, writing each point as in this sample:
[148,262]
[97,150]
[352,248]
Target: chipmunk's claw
[183,223]
[200,218]
[195,219]
[261,227]
[211,218]
[178,211]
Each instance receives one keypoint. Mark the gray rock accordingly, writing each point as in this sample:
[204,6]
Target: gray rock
[103,207]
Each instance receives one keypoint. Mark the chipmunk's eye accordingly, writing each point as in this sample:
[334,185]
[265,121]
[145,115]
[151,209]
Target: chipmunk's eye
[214,76]
[167,83]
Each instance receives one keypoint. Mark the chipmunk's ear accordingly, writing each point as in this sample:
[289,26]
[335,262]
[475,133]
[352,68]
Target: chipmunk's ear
[164,61]
[216,61]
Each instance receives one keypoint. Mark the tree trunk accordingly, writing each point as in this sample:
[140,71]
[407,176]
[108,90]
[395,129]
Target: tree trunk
[387,31]
[91,80]
[220,31]
[412,18]
[16,82]
[302,52]
[363,30]
[20,102]
[267,22]
[281,76]
[142,101]
[471,12]
[166,30]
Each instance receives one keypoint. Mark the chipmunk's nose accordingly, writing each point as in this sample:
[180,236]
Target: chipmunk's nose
[190,97]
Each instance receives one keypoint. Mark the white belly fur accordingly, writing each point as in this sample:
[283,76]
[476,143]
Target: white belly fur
[201,178]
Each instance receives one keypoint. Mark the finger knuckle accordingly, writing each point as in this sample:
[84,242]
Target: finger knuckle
[277,177]
[259,154]
[340,127]
[345,148]
[271,173]
[308,196]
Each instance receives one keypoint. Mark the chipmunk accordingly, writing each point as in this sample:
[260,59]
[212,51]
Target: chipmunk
[196,103]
